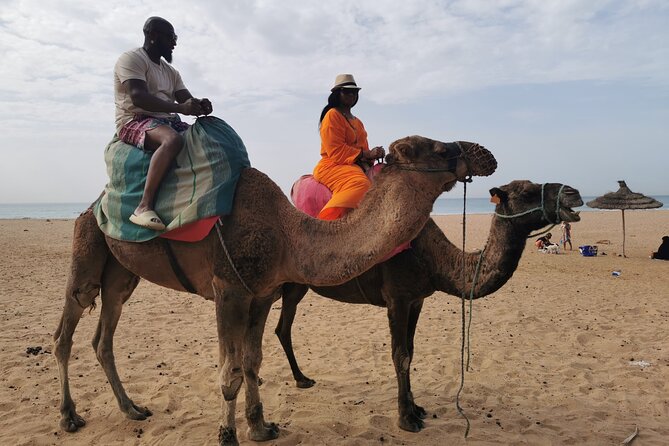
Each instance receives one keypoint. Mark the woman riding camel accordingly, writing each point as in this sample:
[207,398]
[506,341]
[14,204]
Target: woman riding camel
[344,149]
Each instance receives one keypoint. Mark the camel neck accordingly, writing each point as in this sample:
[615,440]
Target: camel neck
[392,213]
[500,259]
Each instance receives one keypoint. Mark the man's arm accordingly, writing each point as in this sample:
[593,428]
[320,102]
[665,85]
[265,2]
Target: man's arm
[140,97]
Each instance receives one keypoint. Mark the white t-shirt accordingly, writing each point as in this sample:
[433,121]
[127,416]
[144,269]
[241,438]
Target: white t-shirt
[162,81]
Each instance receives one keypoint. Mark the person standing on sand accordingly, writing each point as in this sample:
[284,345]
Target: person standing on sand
[148,93]
[566,235]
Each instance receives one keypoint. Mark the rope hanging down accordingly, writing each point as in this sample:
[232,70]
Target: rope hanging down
[227,255]
[465,334]
[462,343]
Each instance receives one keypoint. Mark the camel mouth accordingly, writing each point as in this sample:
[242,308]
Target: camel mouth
[480,161]
[569,215]
[570,200]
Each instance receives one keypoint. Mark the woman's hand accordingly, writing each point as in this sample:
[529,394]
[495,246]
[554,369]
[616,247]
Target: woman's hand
[375,153]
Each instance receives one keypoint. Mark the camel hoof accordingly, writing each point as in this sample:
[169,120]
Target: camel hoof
[419,412]
[304,382]
[227,436]
[72,422]
[411,424]
[269,431]
[138,413]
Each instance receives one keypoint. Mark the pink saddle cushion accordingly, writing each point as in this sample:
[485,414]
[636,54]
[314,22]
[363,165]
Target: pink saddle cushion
[310,196]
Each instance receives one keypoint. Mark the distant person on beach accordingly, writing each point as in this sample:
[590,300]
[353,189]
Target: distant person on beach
[566,235]
[148,93]
[344,150]
[544,242]
[663,251]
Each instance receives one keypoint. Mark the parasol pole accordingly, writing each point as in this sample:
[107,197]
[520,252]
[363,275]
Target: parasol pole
[623,210]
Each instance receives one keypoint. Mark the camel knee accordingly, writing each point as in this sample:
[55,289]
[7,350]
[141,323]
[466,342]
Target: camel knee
[103,352]
[402,362]
[230,387]
[250,372]
[62,349]
[85,295]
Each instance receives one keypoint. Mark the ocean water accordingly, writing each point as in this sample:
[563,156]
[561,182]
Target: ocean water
[443,206]
[42,210]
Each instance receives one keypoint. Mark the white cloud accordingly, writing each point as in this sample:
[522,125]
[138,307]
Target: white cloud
[262,60]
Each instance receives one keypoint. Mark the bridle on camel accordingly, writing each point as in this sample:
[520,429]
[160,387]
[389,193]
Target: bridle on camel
[541,208]
[465,331]
[451,167]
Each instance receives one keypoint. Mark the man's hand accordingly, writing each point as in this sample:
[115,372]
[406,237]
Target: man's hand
[207,108]
[196,107]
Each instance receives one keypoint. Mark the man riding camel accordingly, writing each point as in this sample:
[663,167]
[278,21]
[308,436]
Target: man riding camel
[149,93]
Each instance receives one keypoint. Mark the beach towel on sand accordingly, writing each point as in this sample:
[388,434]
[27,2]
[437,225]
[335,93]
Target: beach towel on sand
[202,183]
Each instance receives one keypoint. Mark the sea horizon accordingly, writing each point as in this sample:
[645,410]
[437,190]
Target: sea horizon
[442,206]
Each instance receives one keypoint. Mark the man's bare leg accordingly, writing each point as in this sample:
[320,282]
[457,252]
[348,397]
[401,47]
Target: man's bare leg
[165,143]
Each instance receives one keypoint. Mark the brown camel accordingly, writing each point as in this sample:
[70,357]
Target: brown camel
[435,264]
[241,265]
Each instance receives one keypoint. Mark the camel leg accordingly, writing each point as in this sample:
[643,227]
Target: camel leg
[259,429]
[89,255]
[232,315]
[292,294]
[398,318]
[414,313]
[117,285]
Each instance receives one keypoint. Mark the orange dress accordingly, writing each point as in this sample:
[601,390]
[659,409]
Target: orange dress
[341,143]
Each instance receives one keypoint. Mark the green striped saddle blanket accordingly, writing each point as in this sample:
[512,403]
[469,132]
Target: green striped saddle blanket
[201,183]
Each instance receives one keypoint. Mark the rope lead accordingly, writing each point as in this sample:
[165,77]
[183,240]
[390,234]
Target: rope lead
[462,337]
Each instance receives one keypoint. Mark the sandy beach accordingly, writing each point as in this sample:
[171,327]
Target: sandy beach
[565,353]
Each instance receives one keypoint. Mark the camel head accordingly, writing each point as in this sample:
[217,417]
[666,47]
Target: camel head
[525,201]
[461,159]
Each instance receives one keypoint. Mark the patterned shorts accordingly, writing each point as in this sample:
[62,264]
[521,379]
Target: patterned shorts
[134,131]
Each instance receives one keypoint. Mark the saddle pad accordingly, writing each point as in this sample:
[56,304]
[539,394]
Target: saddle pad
[192,232]
[201,185]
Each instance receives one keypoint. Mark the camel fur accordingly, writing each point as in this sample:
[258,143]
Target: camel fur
[434,264]
[263,243]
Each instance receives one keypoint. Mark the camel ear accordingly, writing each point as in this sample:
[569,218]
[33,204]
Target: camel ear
[405,149]
[498,196]
[440,148]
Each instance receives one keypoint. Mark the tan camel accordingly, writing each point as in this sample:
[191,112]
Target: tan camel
[262,244]
[435,264]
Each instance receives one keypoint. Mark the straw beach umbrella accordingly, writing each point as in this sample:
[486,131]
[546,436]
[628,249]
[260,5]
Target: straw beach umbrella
[623,199]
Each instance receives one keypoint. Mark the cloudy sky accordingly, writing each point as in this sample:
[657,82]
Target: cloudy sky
[574,91]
